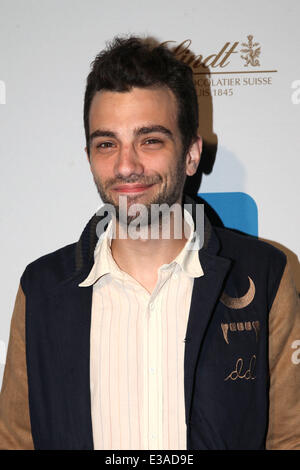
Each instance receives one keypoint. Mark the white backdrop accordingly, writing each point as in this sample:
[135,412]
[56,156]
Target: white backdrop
[46,46]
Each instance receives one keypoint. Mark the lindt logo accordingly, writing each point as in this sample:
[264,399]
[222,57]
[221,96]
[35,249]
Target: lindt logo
[220,59]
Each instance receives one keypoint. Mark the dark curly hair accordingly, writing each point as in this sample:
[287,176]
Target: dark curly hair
[142,62]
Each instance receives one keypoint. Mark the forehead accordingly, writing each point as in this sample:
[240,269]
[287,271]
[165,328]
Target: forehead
[139,106]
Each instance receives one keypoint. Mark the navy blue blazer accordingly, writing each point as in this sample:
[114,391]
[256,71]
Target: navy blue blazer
[226,371]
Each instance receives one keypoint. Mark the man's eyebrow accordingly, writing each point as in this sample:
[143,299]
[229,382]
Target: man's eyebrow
[137,132]
[155,128]
[101,133]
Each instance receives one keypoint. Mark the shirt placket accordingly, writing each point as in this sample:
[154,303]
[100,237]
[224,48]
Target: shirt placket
[153,379]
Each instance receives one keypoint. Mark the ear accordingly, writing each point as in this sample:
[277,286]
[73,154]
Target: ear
[87,154]
[193,156]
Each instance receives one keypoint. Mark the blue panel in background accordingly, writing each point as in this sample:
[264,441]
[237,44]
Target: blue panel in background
[236,210]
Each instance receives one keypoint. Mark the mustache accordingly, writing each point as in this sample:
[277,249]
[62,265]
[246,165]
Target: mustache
[145,180]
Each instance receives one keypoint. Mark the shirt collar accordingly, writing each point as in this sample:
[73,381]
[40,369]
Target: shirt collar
[187,259]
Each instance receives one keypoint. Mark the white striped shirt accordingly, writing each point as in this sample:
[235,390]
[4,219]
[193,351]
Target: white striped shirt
[137,351]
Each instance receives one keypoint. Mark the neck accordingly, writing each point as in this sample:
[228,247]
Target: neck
[141,253]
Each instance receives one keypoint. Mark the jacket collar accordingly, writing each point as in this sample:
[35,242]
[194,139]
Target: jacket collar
[85,247]
[187,259]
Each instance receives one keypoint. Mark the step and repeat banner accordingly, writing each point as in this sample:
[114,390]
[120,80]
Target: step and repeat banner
[245,59]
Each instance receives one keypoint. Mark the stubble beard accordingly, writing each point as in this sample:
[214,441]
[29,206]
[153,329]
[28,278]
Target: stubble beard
[167,195]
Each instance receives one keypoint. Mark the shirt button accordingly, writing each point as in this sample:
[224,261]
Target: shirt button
[152,370]
[151,306]
[175,276]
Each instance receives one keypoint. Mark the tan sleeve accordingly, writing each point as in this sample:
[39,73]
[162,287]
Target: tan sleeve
[15,428]
[284,361]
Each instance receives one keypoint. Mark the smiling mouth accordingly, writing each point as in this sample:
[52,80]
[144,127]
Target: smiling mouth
[132,188]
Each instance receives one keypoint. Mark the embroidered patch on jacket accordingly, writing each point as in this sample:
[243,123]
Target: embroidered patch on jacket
[240,370]
[239,302]
[240,326]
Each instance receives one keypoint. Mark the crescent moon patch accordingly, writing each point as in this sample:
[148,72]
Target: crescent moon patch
[239,302]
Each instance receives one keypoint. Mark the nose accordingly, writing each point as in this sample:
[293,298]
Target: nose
[128,162]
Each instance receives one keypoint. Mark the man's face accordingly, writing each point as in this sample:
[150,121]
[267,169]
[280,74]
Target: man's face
[135,147]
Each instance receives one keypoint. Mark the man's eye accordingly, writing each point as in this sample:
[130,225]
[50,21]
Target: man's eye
[104,145]
[152,141]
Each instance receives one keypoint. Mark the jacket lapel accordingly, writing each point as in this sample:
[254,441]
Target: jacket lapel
[70,307]
[72,317]
[205,295]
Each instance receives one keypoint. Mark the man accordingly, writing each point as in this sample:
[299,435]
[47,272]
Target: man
[143,342]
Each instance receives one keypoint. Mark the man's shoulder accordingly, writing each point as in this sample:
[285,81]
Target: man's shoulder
[254,258]
[51,268]
[242,246]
